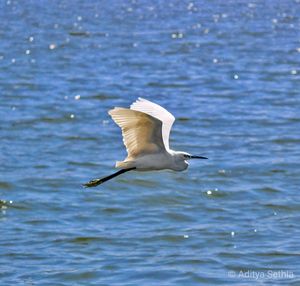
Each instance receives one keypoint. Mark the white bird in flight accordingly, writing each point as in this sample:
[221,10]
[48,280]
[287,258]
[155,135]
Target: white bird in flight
[146,129]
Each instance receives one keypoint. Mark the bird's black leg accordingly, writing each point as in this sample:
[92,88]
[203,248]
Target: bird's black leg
[96,182]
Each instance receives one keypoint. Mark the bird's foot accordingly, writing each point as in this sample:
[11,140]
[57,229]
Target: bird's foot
[92,183]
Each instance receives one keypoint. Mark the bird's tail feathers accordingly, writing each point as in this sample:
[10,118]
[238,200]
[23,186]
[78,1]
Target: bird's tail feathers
[125,164]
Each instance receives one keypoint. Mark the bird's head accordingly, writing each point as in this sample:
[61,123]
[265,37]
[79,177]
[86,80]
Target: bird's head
[186,156]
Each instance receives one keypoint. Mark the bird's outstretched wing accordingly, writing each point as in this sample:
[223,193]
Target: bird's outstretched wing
[158,112]
[142,133]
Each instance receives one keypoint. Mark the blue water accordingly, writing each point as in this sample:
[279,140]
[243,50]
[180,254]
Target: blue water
[229,72]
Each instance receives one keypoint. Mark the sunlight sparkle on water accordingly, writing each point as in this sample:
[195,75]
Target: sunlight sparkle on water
[293,72]
[52,46]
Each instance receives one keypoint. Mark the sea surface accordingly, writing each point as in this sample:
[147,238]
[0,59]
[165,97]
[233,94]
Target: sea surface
[229,71]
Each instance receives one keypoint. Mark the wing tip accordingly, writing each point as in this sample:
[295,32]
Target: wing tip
[115,109]
[137,101]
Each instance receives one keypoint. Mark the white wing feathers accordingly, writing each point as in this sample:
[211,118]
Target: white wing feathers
[158,112]
[142,133]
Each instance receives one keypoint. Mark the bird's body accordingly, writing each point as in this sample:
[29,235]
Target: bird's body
[159,161]
[146,128]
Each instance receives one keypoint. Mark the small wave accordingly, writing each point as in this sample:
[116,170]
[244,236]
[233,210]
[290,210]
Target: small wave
[5,186]
[79,34]
[269,190]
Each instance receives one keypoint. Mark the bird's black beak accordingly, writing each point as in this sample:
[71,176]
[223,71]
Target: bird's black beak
[198,157]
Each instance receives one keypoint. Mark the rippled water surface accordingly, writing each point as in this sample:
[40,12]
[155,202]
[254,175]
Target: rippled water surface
[228,70]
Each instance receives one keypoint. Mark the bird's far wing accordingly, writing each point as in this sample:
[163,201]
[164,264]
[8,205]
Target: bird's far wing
[142,133]
[158,112]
